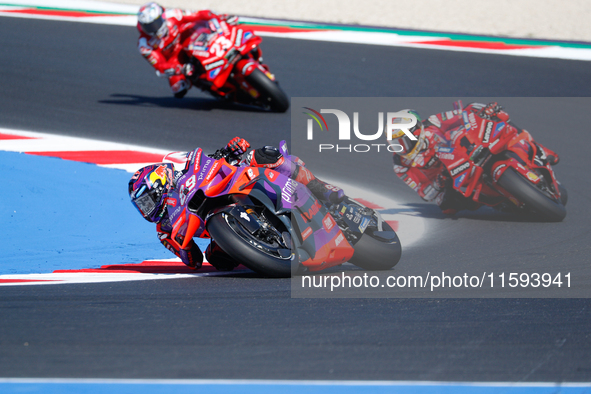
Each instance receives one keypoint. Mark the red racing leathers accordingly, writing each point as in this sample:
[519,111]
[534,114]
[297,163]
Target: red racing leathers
[166,54]
[425,173]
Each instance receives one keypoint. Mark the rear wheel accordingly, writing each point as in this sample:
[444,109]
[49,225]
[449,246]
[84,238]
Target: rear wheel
[535,199]
[377,250]
[271,94]
[266,252]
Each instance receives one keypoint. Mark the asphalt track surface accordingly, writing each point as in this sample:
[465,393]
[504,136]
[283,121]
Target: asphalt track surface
[88,80]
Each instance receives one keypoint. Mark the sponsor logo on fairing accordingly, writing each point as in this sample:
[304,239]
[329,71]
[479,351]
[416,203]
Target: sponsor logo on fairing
[214,73]
[459,180]
[462,167]
[288,190]
[487,132]
[314,209]
[214,65]
[363,225]
[339,239]
[328,222]
[307,232]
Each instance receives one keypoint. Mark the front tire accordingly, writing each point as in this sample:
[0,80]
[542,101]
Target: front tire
[271,93]
[262,256]
[533,198]
[377,250]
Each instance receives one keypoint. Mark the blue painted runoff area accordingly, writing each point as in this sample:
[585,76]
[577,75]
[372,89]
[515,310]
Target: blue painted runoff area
[242,387]
[59,214]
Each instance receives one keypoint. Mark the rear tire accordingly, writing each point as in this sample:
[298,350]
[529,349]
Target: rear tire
[237,242]
[271,93]
[533,198]
[374,253]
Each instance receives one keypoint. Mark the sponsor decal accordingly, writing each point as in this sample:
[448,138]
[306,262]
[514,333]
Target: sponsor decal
[532,177]
[363,225]
[247,36]
[214,73]
[200,53]
[412,184]
[250,174]
[212,172]
[171,201]
[462,167]
[446,156]
[400,169]
[270,174]
[207,163]
[497,172]
[449,114]
[472,118]
[488,131]
[459,180]
[466,121]
[339,239]
[498,129]
[288,190]
[314,209]
[197,161]
[214,65]
[444,149]
[238,40]
[328,222]
[435,121]
[307,232]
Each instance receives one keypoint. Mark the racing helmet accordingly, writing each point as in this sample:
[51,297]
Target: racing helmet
[410,147]
[151,20]
[149,188]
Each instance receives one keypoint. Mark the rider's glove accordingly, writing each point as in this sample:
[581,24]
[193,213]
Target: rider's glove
[440,182]
[237,146]
[169,72]
[494,111]
[231,20]
[188,69]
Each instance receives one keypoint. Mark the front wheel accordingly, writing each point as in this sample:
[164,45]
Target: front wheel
[266,252]
[533,198]
[377,250]
[271,94]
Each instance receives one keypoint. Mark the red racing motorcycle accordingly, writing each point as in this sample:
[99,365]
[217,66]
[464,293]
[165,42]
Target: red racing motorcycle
[495,163]
[227,63]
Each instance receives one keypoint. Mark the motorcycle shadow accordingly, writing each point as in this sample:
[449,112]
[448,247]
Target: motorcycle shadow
[431,211]
[194,103]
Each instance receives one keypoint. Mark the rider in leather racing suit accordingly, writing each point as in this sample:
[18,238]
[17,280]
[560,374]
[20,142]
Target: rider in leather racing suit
[161,35]
[418,166]
[149,186]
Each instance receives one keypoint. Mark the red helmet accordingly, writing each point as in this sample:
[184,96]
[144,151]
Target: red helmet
[151,20]
[149,188]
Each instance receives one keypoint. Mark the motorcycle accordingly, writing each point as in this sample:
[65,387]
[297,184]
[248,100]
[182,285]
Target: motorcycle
[273,224]
[495,163]
[227,62]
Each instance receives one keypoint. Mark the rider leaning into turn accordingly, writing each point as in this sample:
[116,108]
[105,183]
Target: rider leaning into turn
[161,34]
[149,188]
[418,166]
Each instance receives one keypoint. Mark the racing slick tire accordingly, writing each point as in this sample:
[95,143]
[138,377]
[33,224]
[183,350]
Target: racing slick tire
[563,194]
[271,93]
[377,250]
[264,257]
[534,199]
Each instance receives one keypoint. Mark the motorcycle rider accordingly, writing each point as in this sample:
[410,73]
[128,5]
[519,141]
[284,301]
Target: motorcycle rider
[150,185]
[419,167]
[161,35]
